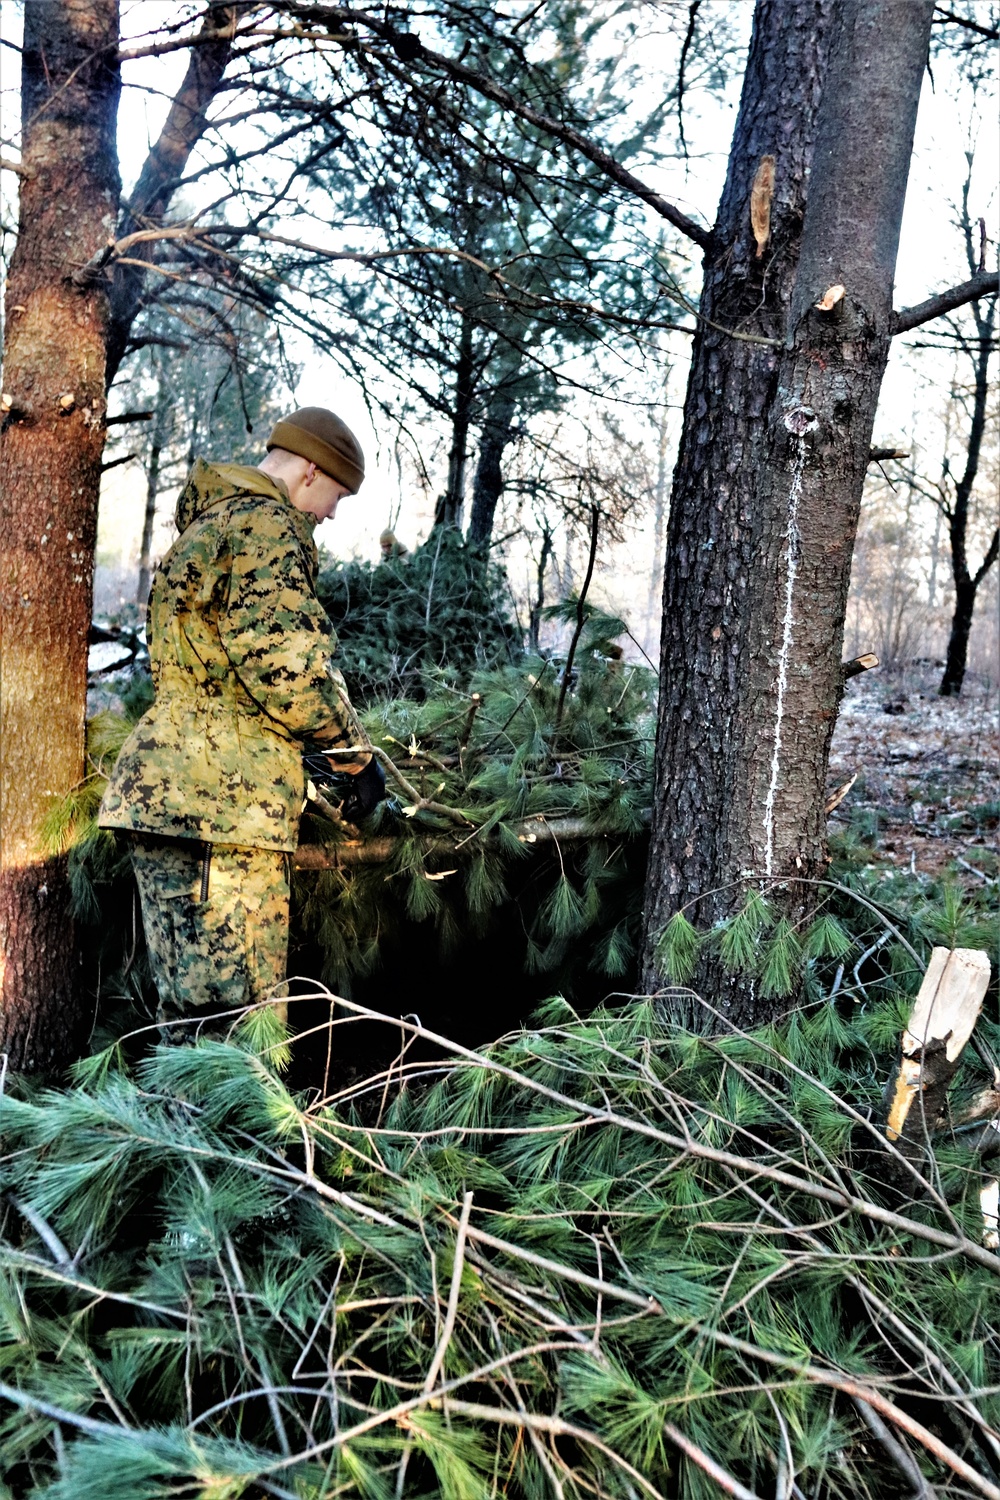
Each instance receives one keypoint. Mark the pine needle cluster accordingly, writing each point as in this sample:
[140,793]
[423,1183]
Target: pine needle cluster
[864,935]
[509,810]
[601,1257]
[443,609]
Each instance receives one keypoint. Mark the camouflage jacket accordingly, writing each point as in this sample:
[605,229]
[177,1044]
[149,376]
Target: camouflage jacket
[241,655]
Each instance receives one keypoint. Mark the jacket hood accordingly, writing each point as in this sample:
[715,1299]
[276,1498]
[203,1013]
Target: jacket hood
[207,484]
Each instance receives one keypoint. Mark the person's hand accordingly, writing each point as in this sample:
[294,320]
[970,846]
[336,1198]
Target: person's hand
[366,791]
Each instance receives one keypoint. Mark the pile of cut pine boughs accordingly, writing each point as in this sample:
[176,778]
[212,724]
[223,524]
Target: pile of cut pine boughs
[517,829]
[600,1257]
[443,609]
[518,797]
[522,794]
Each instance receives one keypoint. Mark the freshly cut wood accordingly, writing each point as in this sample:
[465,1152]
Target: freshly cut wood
[943,1019]
[989,1200]
[837,797]
[860,664]
[981,1107]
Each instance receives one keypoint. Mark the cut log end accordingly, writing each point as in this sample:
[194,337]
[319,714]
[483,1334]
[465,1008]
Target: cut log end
[859,664]
[943,1018]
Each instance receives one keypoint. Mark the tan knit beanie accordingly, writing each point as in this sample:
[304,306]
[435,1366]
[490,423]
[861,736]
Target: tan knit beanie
[316,434]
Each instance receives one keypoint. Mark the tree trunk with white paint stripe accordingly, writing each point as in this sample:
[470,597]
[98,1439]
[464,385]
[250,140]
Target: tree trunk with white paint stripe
[777,427]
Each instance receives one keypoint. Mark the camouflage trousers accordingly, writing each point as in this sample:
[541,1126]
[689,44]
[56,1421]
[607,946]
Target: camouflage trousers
[217,954]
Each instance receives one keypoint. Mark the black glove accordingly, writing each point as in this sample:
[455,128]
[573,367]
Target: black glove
[365,792]
[324,775]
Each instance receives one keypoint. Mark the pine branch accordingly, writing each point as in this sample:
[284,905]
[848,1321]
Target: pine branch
[983,284]
[411,50]
[380,851]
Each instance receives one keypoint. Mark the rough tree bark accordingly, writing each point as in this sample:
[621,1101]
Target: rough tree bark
[50,466]
[772,459]
[56,372]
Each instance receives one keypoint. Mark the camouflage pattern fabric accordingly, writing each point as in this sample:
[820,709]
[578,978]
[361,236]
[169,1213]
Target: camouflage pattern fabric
[214,955]
[241,652]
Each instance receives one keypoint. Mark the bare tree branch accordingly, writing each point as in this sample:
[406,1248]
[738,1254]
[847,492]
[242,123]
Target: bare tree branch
[693,9]
[948,17]
[992,553]
[164,166]
[410,49]
[985,284]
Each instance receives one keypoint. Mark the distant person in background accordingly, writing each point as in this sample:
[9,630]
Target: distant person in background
[210,782]
[390,547]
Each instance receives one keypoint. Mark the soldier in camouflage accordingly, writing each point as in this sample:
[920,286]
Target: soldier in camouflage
[210,782]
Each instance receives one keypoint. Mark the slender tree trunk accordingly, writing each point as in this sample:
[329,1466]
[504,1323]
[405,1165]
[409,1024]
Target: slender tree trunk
[958,639]
[487,486]
[535,617]
[164,166]
[659,501]
[161,427]
[900,592]
[769,475]
[449,510]
[966,582]
[50,468]
[935,549]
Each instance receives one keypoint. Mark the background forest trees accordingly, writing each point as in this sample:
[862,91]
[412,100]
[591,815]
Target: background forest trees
[445,209]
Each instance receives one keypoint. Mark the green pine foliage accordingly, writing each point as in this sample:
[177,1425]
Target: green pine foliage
[458,869]
[213,1288]
[406,624]
[495,755]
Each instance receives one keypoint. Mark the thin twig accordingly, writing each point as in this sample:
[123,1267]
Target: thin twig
[904,1461]
[43,1229]
[453,1295]
[595,522]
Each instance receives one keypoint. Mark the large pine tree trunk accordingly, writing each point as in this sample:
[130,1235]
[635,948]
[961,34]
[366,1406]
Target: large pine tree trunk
[50,466]
[768,481]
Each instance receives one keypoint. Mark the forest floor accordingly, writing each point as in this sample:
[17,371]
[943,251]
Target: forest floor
[927,794]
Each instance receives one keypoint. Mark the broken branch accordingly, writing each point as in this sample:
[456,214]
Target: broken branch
[379,851]
[129,416]
[983,284]
[859,664]
[944,1015]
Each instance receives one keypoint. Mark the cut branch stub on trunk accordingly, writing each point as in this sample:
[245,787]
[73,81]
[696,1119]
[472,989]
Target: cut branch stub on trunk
[943,1019]
[860,664]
